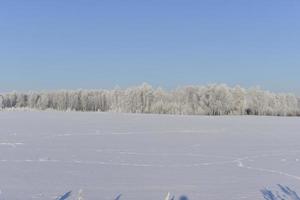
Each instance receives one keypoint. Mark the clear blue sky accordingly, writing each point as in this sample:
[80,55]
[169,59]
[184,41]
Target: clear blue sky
[53,44]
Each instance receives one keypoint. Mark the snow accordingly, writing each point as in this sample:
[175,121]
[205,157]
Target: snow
[45,154]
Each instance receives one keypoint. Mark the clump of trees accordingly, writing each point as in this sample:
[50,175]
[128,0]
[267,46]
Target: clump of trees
[190,100]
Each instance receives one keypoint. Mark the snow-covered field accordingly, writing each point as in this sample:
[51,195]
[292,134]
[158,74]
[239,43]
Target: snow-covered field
[44,154]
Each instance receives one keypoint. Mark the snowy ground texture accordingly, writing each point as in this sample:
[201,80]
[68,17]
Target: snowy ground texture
[44,154]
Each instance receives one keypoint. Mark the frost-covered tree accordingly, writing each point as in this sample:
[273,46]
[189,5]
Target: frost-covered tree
[239,100]
[43,102]
[190,100]
[2,102]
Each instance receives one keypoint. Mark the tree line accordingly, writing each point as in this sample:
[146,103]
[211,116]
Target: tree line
[217,99]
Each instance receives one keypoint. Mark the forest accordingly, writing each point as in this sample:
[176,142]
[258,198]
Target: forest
[215,99]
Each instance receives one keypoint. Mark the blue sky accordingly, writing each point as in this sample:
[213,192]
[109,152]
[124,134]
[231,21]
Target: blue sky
[58,44]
